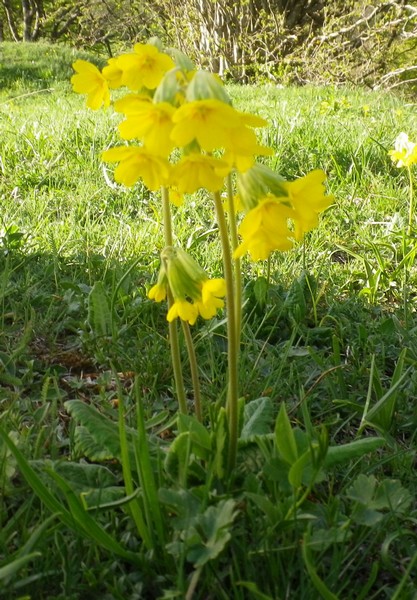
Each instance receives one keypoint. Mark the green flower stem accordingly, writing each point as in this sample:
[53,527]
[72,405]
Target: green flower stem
[236,261]
[194,370]
[172,327]
[411,201]
[232,346]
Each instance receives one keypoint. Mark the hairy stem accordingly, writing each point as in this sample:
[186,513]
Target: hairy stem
[232,346]
[172,326]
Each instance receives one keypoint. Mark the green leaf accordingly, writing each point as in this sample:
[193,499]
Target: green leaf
[297,470]
[213,529]
[97,437]
[87,523]
[95,483]
[258,418]
[382,413]
[10,569]
[318,583]
[200,437]
[183,503]
[284,437]
[254,590]
[99,315]
[177,458]
[356,449]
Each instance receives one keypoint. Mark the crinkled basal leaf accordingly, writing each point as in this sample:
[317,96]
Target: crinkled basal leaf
[97,437]
[258,418]
[96,483]
[99,314]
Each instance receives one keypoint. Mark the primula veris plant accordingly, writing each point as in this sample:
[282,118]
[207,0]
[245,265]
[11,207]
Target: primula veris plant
[405,151]
[404,154]
[181,134]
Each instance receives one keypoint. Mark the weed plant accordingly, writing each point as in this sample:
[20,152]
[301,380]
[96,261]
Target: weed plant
[104,491]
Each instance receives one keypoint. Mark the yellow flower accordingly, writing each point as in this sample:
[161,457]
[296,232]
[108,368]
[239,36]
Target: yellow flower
[206,121]
[212,293]
[242,147]
[149,122]
[175,197]
[405,151]
[137,163]
[88,80]
[199,171]
[307,197]
[158,292]
[145,67]
[265,228]
[193,292]
[113,73]
[184,310]
[215,124]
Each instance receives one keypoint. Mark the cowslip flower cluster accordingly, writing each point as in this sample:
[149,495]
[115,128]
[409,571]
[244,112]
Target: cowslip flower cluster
[278,211]
[405,151]
[182,133]
[193,292]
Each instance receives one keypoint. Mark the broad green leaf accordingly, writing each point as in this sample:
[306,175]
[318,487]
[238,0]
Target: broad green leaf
[214,531]
[284,437]
[99,314]
[200,437]
[177,458]
[356,449]
[258,418]
[95,483]
[98,436]
[182,503]
[297,470]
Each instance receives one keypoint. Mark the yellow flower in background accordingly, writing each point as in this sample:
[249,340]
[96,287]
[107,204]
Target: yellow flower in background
[88,80]
[138,163]
[193,292]
[145,67]
[405,151]
[196,171]
[265,229]
[149,122]
[307,197]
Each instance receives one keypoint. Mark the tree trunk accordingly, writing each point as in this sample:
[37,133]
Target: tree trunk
[10,20]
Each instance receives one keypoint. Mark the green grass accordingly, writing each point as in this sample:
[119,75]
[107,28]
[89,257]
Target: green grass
[329,330]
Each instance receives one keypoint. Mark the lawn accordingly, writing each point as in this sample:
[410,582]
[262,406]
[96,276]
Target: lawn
[105,490]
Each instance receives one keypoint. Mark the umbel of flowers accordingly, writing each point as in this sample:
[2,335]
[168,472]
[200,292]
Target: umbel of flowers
[181,133]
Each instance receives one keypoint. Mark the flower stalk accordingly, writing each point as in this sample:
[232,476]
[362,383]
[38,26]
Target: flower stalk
[232,345]
[172,326]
